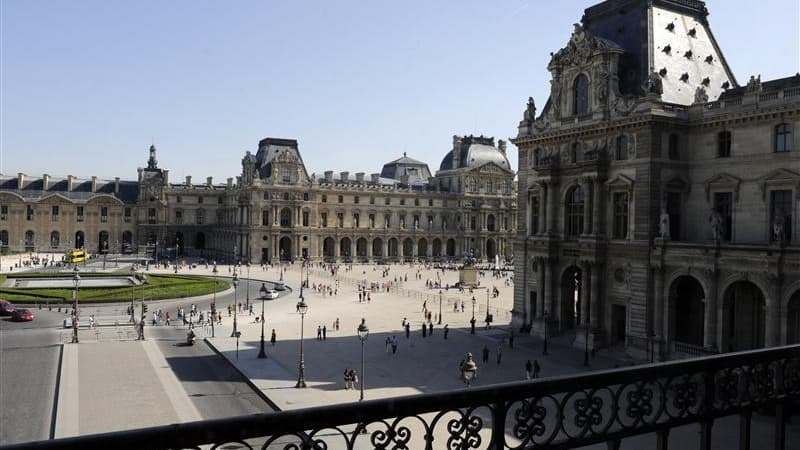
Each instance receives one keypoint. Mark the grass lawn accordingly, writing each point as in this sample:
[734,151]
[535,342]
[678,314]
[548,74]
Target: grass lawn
[157,287]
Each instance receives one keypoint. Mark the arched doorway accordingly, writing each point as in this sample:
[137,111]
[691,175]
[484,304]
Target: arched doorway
[743,317]
[79,239]
[345,249]
[491,250]
[102,244]
[490,222]
[55,239]
[285,248]
[393,248]
[377,248]
[199,241]
[451,248]
[328,252]
[687,311]
[571,286]
[361,248]
[422,248]
[408,248]
[437,248]
[793,319]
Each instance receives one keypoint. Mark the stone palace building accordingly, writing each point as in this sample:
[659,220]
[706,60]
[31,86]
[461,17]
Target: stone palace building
[276,211]
[658,196]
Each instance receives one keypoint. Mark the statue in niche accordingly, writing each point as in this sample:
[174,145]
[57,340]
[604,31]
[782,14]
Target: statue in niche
[700,95]
[653,84]
[716,224]
[530,111]
[663,224]
[778,227]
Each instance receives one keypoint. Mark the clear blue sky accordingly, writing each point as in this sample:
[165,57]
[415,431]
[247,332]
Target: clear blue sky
[86,85]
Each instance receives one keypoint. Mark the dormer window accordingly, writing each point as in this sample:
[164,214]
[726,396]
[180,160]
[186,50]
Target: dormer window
[692,33]
[670,26]
[581,95]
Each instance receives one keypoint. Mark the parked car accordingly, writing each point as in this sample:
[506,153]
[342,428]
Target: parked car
[279,286]
[271,294]
[22,315]
[6,308]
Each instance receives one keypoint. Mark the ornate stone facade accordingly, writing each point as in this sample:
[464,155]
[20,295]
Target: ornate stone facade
[276,211]
[658,204]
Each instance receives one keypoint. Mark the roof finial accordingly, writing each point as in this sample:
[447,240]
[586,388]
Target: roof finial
[404,154]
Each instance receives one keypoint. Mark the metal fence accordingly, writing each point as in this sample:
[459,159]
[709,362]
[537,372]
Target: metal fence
[556,413]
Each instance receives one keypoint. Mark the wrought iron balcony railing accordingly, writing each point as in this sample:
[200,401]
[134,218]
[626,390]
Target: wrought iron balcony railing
[552,413]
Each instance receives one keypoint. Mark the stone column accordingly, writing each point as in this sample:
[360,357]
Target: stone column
[660,307]
[710,330]
[586,187]
[596,207]
[595,296]
[585,283]
[540,291]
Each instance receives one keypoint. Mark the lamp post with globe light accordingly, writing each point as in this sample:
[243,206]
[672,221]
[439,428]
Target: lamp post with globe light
[262,353]
[235,282]
[472,321]
[363,332]
[302,308]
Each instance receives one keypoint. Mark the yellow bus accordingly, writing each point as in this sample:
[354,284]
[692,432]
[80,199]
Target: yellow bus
[75,256]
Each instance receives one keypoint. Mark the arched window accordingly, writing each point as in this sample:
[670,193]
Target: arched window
[580,100]
[575,205]
[622,148]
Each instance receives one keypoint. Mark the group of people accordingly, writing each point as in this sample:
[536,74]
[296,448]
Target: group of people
[350,378]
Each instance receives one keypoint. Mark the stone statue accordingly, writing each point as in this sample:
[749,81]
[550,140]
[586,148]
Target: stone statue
[700,95]
[754,85]
[777,228]
[530,111]
[716,224]
[653,84]
[663,224]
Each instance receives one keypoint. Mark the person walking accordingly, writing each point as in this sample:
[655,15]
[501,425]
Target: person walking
[394,344]
[348,382]
[424,330]
[536,368]
[430,328]
[272,338]
[528,369]
[499,354]
[446,330]
[408,330]
[387,344]
[319,332]
[485,354]
[324,332]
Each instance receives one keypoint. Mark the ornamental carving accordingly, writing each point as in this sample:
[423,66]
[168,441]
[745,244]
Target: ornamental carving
[623,106]
[582,45]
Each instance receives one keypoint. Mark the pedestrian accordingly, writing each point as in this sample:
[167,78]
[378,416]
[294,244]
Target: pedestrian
[394,344]
[485,354]
[272,338]
[348,383]
[408,330]
[324,332]
[337,324]
[528,369]
[424,306]
[319,333]
[446,330]
[167,318]
[424,330]
[499,354]
[430,328]
[536,368]
[462,305]
[388,344]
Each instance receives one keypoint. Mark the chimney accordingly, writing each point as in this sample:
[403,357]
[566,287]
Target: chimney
[140,175]
[501,145]
[209,181]
[116,185]
[360,177]
[189,180]
[238,180]
[94,183]
[376,178]
[71,180]
[344,177]
[45,182]
[20,180]
[328,176]
[166,176]
[230,182]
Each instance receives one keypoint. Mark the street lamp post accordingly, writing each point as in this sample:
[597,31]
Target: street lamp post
[133,291]
[248,288]
[472,321]
[142,321]
[262,353]
[363,332]
[76,280]
[235,303]
[214,300]
[546,319]
[468,370]
[487,307]
[440,307]
[302,308]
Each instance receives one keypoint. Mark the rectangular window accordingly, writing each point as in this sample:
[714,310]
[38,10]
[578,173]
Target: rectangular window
[29,212]
[305,218]
[416,202]
[340,220]
[534,215]
[781,215]
[402,201]
[372,220]
[430,202]
[54,214]
[265,218]
[724,144]
[79,214]
[4,212]
[355,199]
[151,216]
[341,199]
[324,198]
[723,205]
[372,200]
[305,196]
[472,223]
[620,215]
[178,199]
[324,218]
[219,200]
[200,216]
[104,214]
[783,138]
[200,199]
[356,220]
[674,211]
[387,201]
[178,216]
[126,215]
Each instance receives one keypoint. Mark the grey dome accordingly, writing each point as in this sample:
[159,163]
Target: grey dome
[471,152]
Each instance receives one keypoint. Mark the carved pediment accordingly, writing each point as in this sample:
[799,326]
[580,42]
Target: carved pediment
[778,177]
[677,183]
[724,180]
[11,197]
[582,45]
[54,199]
[620,182]
[104,199]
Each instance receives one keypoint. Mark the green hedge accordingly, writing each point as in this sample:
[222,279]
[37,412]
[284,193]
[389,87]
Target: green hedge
[157,287]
